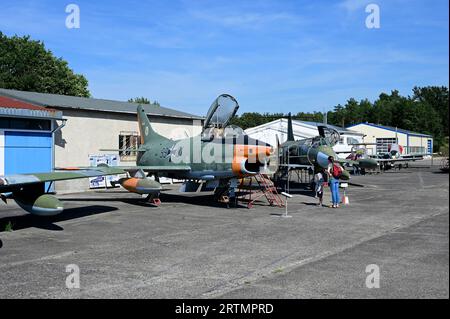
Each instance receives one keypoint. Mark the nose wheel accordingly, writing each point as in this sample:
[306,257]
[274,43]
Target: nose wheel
[154,199]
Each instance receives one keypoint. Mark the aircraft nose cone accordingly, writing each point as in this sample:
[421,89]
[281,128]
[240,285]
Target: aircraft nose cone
[345,175]
[322,159]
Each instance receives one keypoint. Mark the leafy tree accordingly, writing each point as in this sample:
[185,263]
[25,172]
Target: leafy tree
[365,111]
[143,100]
[250,119]
[26,65]
[437,98]
[426,112]
[338,116]
[140,100]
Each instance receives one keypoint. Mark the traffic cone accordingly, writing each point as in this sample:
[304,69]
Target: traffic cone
[345,200]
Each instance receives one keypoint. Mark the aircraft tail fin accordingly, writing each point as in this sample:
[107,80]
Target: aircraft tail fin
[290,132]
[148,135]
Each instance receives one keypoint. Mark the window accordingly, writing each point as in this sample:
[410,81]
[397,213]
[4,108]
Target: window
[383,144]
[417,150]
[25,124]
[128,140]
[352,140]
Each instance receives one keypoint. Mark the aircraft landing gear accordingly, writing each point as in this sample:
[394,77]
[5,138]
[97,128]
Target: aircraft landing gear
[225,193]
[153,199]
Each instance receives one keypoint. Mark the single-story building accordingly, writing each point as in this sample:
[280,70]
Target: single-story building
[89,125]
[268,133]
[382,136]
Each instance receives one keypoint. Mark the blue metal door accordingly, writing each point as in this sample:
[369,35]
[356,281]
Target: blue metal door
[27,152]
[430,147]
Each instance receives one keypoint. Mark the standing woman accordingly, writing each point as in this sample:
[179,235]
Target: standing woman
[334,171]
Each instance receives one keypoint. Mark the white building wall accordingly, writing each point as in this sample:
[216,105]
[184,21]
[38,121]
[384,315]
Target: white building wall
[344,147]
[268,132]
[419,144]
[372,133]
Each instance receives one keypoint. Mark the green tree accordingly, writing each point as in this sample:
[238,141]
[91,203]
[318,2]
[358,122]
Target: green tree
[338,116]
[249,119]
[437,98]
[27,65]
[425,112]
[143,100]
[365,111]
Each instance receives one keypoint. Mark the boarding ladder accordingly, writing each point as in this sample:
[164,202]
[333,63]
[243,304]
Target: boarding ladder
[269,190]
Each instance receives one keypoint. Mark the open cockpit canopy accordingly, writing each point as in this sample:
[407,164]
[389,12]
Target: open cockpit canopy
[221,112]
[329,135]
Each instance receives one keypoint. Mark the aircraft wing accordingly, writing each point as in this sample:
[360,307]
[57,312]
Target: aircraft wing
[346,161]
[124,169]
[170,169]
[397,159]
[11,182]
[115,170]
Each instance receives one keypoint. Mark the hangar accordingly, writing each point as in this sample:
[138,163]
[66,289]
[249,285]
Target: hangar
[88,125]
[382,136]
[302,129]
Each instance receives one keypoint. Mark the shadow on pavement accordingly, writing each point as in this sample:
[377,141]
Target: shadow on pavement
[47,223]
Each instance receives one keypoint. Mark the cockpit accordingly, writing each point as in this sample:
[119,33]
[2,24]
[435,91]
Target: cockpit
[219,115]
[329,135]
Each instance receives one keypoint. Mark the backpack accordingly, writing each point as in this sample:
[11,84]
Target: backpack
[337,171]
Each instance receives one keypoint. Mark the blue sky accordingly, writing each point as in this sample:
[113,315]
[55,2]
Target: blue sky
[272,55]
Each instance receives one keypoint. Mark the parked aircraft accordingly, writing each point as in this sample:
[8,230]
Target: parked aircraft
[315,151]
[360,158]
[395,157]
[219,155]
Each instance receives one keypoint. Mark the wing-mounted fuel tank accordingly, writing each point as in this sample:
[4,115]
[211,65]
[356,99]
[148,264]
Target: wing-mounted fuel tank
[33,199]
[140,185]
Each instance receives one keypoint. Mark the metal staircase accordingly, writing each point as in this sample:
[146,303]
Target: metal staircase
[265,187]
[269,190]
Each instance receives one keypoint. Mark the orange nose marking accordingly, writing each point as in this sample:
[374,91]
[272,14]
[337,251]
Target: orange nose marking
[130,184]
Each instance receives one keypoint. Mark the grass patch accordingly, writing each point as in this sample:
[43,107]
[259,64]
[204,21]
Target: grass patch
[9,226]
[278,270]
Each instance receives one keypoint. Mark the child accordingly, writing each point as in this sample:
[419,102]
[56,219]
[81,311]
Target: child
[319,180]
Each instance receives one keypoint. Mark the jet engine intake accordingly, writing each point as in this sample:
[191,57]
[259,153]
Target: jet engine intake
[243,166]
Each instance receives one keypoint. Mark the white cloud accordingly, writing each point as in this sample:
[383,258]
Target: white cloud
[353,5]
[250,20]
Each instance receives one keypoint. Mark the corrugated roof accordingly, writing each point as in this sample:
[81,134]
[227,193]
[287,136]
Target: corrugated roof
[304,124]
[74,102]
[337,128]
[13,107]
[390,128]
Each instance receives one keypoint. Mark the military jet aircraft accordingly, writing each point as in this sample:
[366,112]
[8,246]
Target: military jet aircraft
[315,151]
[219,155]
[395,157]
[310,151]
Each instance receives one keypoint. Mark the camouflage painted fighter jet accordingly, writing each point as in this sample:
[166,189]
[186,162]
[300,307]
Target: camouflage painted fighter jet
[310,151]
[315,151]
[218,156]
